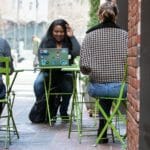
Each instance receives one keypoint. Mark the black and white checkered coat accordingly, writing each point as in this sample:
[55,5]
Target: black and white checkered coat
[103,54]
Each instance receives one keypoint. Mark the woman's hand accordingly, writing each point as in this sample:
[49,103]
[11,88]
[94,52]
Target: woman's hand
[69,31]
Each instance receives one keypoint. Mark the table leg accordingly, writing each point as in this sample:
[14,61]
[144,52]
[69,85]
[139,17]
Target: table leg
[47,95]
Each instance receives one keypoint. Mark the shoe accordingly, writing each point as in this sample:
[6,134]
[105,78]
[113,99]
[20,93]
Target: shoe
[53,119]
[103,141]
[65,117]
[90,113]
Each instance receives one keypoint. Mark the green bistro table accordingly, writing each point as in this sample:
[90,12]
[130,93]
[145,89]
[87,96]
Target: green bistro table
[72,68]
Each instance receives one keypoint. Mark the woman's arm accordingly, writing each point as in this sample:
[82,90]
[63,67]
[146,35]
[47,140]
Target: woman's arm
[75,44]
[75,47]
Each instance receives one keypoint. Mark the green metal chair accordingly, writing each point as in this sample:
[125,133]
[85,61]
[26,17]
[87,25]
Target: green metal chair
[7,124]
[77,107]
[77,113]
[77,102]
[116,103]
[80,101]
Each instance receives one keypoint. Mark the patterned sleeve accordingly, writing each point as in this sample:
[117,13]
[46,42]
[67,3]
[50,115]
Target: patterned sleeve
[85,56]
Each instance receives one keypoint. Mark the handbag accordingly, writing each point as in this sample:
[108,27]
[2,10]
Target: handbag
[38,112]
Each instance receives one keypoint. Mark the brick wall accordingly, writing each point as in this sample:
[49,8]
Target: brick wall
[134,76]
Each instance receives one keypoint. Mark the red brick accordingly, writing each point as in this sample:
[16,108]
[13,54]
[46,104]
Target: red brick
[133,79]
[133,112]
[133,92]
[132,61]
[133,51]
[132,71]
[134,82]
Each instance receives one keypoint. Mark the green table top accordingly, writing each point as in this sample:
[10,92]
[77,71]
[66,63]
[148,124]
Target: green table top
[63,68]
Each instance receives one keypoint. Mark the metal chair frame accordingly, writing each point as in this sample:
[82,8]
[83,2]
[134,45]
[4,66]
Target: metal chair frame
[116,103]
[8,100]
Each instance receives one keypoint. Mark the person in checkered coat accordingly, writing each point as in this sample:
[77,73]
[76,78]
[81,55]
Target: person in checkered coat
[103,56]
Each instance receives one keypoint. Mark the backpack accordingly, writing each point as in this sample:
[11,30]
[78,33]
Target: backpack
[38,112]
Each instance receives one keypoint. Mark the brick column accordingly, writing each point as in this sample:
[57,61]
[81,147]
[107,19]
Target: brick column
[134,74]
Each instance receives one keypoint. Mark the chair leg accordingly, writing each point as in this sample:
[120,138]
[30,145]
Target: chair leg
[113,138]
[11,126]
[14,124]
[11,118]
[71,117]
[108,123]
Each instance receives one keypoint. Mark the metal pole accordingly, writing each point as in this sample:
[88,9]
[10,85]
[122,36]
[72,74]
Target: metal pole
[18,32]
[25,36]
[36,17]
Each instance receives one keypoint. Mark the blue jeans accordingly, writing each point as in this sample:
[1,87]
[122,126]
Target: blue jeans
[61,83]
[103,90]
[39,85]
[2,94]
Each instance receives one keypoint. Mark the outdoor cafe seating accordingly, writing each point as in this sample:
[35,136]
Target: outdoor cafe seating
[113,121]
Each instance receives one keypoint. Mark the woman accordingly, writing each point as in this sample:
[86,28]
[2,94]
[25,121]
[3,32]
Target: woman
[59,35]
[103,57]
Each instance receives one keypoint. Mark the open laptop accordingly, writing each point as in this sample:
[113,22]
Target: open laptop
[53,57]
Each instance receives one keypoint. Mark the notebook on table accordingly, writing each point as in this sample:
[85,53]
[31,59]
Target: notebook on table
[53,57]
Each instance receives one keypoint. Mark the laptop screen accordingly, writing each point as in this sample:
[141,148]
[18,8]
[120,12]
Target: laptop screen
[53,57]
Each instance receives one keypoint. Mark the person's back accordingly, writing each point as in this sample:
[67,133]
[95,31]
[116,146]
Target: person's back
[103,57]
[107,58]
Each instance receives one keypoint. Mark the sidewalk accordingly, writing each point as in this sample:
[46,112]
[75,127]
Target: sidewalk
[42,136]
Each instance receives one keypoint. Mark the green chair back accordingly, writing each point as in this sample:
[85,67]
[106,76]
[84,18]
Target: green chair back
[5,69]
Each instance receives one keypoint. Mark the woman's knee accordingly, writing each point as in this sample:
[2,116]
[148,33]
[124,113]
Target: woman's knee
[39,83]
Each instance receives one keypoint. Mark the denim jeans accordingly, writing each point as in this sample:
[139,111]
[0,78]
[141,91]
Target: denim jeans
[2,89]
[39,85]
[2,94]
[105,89]
[60,83]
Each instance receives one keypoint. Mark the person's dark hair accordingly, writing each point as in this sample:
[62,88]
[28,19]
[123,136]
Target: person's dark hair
[49,34]
[108,11]
[60,22]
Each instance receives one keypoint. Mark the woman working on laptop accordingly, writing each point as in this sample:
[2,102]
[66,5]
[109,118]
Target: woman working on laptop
[59,35]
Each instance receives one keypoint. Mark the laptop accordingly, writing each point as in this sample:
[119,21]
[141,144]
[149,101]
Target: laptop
[53,57]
